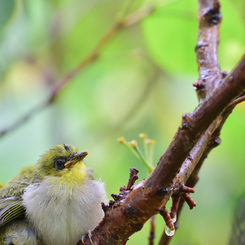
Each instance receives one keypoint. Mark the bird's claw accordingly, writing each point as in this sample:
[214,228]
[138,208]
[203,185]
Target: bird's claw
[89,236]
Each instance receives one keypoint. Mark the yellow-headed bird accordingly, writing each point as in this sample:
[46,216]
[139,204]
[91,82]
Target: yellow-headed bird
[56,199]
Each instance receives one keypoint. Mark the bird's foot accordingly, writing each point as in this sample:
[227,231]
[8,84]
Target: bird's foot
[89,236]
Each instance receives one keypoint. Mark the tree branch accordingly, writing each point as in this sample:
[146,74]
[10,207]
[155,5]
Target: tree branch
[197,157]
[195,123]
[209,19]
[156,190]
[210,76]
[127,216]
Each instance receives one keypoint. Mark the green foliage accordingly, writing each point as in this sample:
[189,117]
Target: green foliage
[171,35]
[232,35]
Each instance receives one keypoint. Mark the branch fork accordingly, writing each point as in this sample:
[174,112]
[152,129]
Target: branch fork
[123,190]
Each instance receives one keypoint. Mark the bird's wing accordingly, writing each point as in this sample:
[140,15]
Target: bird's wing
[11,193]
[18,232]
[10,208]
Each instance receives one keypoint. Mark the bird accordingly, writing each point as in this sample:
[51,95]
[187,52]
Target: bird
[57,198]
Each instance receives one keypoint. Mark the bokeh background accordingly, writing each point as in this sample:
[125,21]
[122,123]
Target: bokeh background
[141,82]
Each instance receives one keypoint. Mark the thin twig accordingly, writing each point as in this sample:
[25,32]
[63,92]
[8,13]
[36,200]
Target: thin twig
[132,178]
[152,230]
[236,101]
[130,20]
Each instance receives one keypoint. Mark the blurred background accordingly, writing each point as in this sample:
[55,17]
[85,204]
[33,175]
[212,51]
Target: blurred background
[140,83]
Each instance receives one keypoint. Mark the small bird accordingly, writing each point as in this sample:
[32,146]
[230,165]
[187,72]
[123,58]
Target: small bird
[57,197]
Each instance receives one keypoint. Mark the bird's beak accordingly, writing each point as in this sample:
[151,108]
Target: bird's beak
[76,158]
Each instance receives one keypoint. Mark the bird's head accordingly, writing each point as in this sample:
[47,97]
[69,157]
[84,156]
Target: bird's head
[62,161]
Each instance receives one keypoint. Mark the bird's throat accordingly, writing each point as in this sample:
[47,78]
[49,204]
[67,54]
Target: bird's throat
[74,176]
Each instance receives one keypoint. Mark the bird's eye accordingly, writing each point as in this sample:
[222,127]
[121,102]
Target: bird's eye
[59,164]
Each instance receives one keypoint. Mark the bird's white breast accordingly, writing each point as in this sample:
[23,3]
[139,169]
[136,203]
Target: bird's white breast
[62,215]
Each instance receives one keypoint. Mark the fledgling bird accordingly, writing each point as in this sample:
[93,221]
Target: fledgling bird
[58,196]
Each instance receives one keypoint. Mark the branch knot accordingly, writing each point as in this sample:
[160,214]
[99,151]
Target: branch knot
[212,15]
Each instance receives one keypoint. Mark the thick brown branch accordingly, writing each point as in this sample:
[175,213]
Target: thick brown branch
[146,199]
[196,153]
[209,19]
[190,168]
[194,124]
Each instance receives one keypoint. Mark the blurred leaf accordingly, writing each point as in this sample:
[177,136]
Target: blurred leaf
[240,6]
[7,12]
[170,34]
[232,36]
